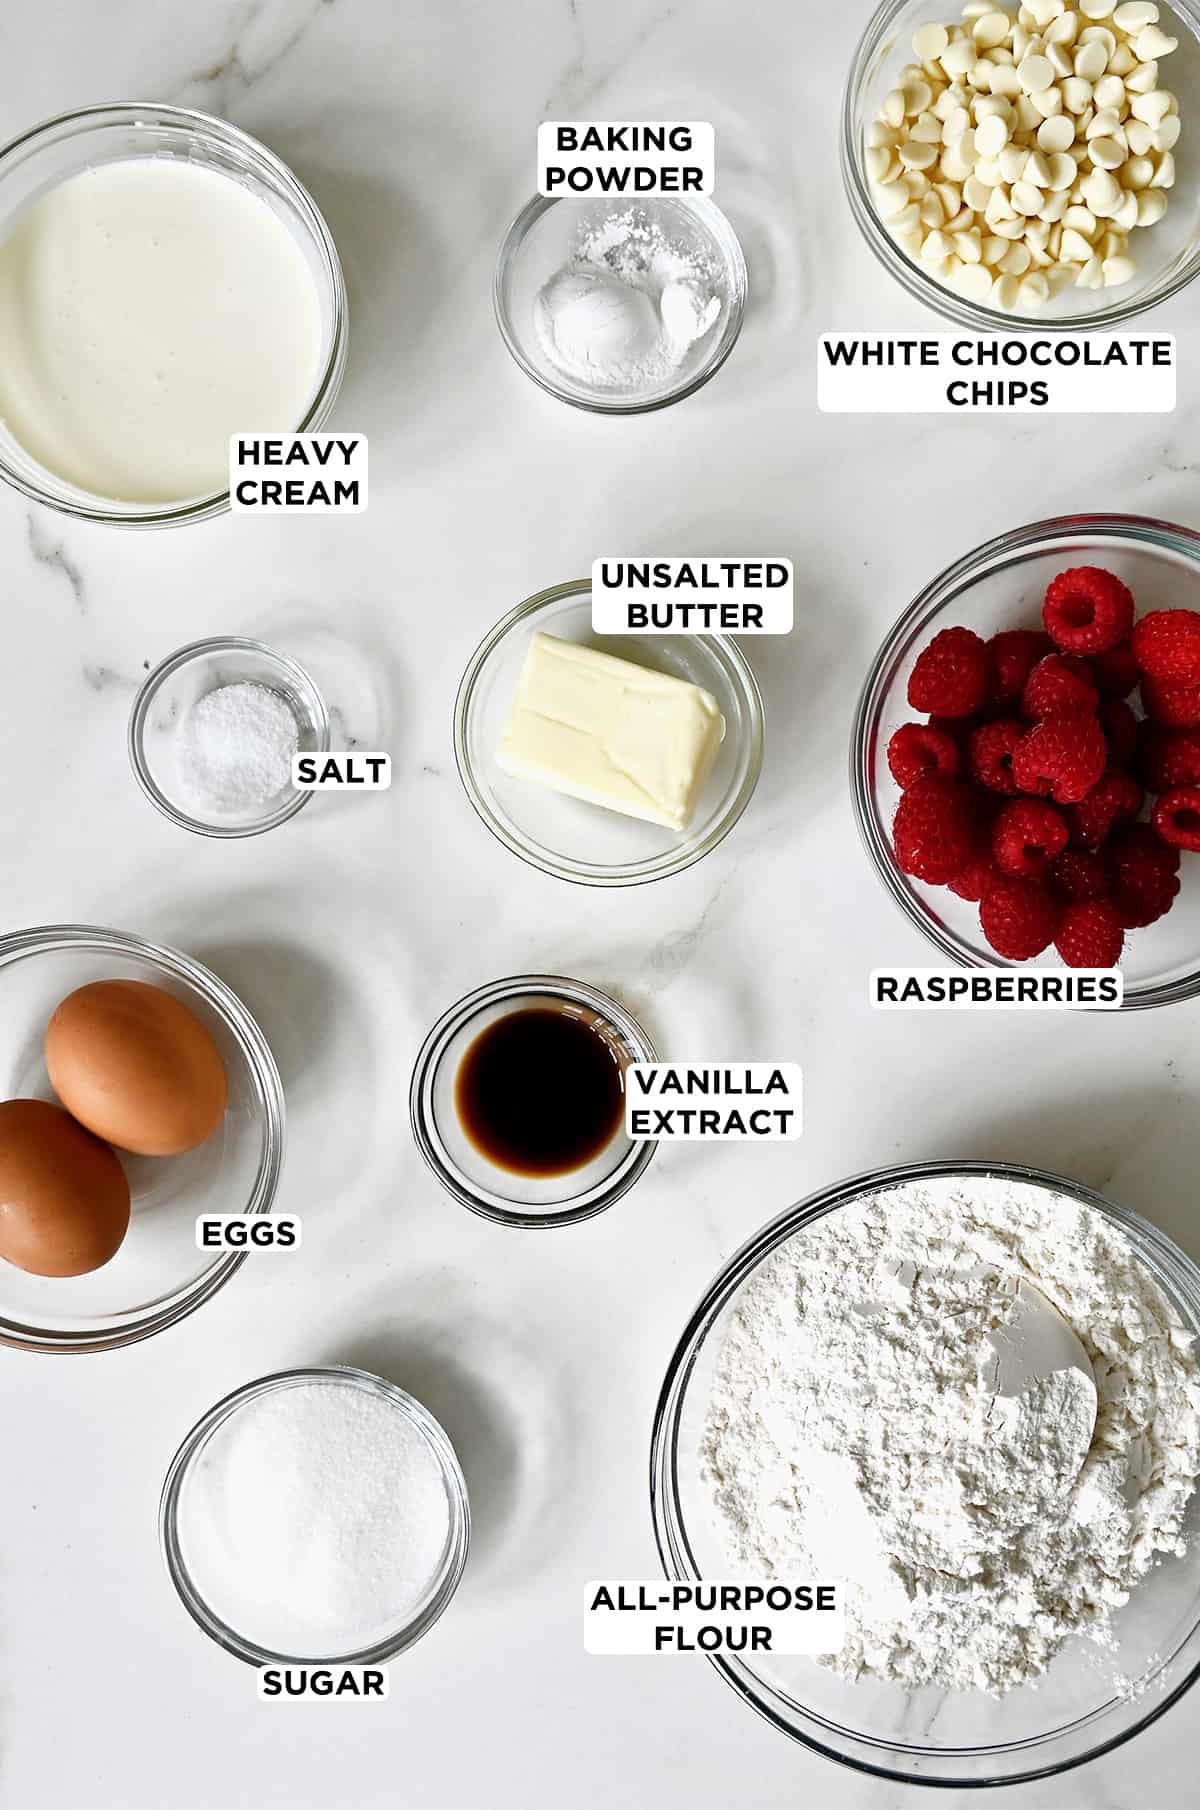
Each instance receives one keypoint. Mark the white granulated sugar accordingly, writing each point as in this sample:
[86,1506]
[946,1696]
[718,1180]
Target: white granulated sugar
[629,304]
[854,1430]
[237,746]
[316,1518]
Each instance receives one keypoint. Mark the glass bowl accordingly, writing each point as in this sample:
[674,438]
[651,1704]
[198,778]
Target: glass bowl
[1000,586]
[158,1276]
[62,147]
[160,711]
[1168,255]
[183,1552]
[1075,1712]
[496,1193]
[568,837]
[541,241]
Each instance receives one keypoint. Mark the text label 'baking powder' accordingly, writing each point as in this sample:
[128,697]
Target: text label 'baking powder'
[693,596]
[997,989]
[746,1101]
[767,1616]
[654,157]
[958,373]
[298,474]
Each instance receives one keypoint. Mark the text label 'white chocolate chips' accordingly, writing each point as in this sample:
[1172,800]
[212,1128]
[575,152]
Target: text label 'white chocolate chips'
[1016,156]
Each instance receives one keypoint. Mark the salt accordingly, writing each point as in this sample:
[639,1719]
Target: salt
[237,746]
[316,1519]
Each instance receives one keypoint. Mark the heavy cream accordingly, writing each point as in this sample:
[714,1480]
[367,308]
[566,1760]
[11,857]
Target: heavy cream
[150,308]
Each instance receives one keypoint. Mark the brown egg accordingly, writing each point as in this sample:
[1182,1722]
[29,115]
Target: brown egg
[137,1067]
[64,1200]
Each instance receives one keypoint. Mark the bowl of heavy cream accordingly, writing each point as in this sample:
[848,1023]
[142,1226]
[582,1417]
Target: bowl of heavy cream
[165,284]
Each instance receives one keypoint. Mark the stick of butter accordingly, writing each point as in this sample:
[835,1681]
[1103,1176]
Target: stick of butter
[611,732]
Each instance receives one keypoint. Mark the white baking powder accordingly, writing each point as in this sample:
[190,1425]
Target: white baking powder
[855,1430]
[315,1519]
[236,747]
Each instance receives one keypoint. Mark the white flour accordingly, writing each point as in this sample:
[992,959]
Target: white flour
[853,1431]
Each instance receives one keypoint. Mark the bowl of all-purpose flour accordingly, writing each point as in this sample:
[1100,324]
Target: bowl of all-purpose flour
[970,1393]
[619,306]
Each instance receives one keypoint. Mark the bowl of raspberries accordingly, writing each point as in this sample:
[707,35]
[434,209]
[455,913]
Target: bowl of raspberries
[1027,754]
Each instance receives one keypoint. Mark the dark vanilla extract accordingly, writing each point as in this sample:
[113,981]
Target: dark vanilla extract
[541,1091]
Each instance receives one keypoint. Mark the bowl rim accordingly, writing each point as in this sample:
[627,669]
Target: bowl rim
[741,677]
[460,1014]
[712,218]
[212,648]
[936,296]
[1138,530]
[1159,1252]
[103,114]
[19,945]
[445,1582]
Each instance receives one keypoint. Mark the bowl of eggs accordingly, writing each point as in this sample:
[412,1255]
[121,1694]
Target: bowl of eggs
[136,1093]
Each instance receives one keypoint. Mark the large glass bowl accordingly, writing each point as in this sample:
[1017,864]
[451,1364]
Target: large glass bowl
[159,1275]
[1168,255]
[568,837]
[59,148]
[1000,586]
[935,1737]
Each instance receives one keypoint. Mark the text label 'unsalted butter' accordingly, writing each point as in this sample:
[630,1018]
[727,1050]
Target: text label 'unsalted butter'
[622,157]
[298,474]
[746,1101]
[952,373]
[747,1616]
[699,595]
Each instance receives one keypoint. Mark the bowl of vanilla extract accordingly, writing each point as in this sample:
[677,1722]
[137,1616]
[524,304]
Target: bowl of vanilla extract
[518,1101]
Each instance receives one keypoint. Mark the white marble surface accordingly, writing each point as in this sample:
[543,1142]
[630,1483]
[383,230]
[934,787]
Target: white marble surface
[350,929]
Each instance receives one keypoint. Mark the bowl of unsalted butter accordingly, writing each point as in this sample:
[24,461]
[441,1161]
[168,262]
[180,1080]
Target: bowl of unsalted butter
[609,760]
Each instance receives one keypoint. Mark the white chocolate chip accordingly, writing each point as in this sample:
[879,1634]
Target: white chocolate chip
[1136,15]
[1056,134]
[1151,206]
[1153,43]
[1091,61]
[930,41]
[1118,270]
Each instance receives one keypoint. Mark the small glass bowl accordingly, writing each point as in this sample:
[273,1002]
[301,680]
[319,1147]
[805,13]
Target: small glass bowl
[1168,255]
[173,1514]
[495,1193]
[160,711]
[158,1276]
[1075,1712]
[1001,586]
[58,148]
[568,837]
[541,241]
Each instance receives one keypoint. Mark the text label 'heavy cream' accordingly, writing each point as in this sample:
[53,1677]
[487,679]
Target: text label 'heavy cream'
[746,1101]
[960,374]
[298,474]
[592,157]
[749,1616]
[694,596]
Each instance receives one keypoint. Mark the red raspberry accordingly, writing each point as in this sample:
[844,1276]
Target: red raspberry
[1174,706]
[1120,728]
[1090,935]
[989,755]
[1061,758]
[1168,757]
[1012,656]
[1026,836]
[1057,683]
[916,750]
[1116,672]
[1087,610]
[1078,874]
[973,880]
[1144,875]
[950,677]
[1018,917]
[1166,645]
[934,831]
[1176,817]
[1115,798]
